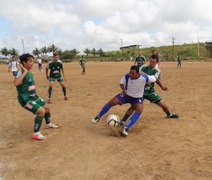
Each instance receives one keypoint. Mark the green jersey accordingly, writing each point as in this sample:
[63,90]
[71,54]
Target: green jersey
[149,88]
[26,90]
[55,68]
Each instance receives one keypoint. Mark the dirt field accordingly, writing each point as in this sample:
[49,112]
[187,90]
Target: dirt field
[156,148]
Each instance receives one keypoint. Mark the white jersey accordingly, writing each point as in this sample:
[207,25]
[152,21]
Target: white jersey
[135,87]
[39,61]
[13,65]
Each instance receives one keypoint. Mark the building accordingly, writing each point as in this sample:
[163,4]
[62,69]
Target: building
[130,47]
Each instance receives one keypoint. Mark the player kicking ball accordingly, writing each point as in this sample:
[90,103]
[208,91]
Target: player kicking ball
[28,98]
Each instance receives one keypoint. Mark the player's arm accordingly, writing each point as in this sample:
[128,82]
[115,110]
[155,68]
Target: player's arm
[47,71]
[9,67]
[123,84]
[164,88]
[63,73]
[20,76]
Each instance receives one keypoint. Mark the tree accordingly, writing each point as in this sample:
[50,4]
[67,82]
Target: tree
[53,48]
[44,50]
[69,54]
[93,51]
[13,52]
[100,52]
[36,52]
[5,52]
[87,51]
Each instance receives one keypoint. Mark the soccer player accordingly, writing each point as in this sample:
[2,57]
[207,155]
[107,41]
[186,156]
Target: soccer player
[179,59]
[149,92]
[55,67]
[28,98]
[13,66]
[39,60]
[140,60]
[154,52]
[82,62]
[132,85]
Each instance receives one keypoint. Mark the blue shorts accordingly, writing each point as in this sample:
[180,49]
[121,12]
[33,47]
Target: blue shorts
[124,99]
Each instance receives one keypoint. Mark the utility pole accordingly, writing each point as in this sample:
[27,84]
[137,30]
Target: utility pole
[22,41]
[121,46]
[173,48]
[198,49]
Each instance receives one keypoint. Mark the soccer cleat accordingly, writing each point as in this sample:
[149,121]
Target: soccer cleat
[49,101]
[65,98]
[52,126]
[173,116]
[121,123]
[95,120]
[125,132]
[38,136]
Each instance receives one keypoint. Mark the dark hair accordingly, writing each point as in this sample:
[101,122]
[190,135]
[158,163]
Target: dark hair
[154,56]
[25,57]
[13,56]
[134,67]
[55,54]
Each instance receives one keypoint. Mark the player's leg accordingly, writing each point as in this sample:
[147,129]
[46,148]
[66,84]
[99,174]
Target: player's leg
[63,89]
[166,109]
[51,84]
[118,99]
[47,118]
[127,115]
[133,119]
[39,111]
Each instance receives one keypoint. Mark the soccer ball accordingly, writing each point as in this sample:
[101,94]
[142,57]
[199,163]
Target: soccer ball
[113,120]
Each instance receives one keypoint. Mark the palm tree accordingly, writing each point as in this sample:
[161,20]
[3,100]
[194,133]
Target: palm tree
[87,51]
[44,50]
[5,52]
[53,48]
[13,52]
[93,51]
[36,52]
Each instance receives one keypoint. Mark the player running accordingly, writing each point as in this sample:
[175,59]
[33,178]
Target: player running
[55,66]
[82,63]
[28,98]
[150,93]
[13,66]
[140,60]
[132,85]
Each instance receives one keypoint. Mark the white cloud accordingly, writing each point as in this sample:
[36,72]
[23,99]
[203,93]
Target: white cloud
[98,24]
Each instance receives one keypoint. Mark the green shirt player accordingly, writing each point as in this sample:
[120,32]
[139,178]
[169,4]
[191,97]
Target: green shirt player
[140,60]
[149,92]
[28,98]
[56,67]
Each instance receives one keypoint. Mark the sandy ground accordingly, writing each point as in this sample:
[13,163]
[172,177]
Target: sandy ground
[156,148]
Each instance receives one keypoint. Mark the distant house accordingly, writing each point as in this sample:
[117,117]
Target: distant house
[130,47]
[208,45]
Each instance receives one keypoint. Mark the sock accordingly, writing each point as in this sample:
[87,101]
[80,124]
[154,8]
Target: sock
[38,122]
[64,91]
[168,113]
[105,109]
[50,92]
[47,117]
[124,119]
[133,120]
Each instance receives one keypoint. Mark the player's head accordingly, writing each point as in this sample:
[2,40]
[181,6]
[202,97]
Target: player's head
[55,56]
[13,57]
[153,51]
[153,61]
[27,60]
[134,72]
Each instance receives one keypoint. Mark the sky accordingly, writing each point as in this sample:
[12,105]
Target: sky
[107,24]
